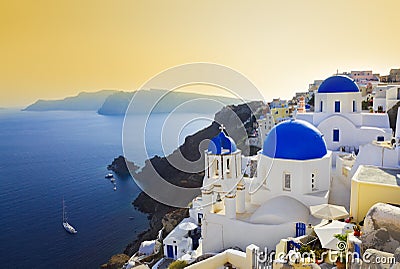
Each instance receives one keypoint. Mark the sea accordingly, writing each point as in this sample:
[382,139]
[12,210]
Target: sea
[46,157]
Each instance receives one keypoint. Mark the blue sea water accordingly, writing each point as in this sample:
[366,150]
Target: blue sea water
[48,156]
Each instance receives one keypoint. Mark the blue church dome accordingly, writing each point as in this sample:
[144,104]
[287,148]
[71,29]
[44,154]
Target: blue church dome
[294,140]
[337,84]
[221,144]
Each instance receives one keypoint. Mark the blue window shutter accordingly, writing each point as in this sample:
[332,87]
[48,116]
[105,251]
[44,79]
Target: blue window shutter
[300,229]
[335,135]
[337,106]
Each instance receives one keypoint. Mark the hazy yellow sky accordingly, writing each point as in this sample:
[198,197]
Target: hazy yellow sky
[55,48]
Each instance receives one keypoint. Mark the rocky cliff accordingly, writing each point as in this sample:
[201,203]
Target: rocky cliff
[122,167]
[116,104]
[116,261]
[161,215]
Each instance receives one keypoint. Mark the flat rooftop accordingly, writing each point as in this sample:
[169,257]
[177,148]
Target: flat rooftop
[378,175]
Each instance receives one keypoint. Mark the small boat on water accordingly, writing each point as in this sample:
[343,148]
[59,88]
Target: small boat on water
[68,227]
[109,175]
[112,180]
[115,188]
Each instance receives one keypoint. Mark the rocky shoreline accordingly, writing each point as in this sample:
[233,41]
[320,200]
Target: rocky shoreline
[167,217]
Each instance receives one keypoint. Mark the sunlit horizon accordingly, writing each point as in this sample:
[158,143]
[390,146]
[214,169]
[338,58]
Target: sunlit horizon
[54,49]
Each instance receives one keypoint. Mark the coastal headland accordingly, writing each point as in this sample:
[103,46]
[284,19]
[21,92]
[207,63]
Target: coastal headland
[167,217]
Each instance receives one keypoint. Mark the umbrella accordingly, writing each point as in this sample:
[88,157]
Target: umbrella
[328,211]
[187,226]
[326,234]
[186,257]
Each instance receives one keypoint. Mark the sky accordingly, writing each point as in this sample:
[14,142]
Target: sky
[53,49]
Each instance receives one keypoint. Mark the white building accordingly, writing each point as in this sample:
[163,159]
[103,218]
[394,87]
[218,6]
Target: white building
[385,97]
[313,87]
[339,117]
[178,242]
[379,98]
[293,173]
[265,124]
[380,153]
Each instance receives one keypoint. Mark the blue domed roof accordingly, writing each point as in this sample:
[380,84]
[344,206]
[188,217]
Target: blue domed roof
[294,140]
[337,84]
[221,144]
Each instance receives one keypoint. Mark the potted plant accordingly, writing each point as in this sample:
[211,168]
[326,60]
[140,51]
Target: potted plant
[357,230]
[318,255]
[342,245]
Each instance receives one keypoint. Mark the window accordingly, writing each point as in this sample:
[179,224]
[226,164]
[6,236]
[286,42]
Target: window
[335,135]
[337,106]
[199,218]
[354,106]
[286,182]
[321,106]
[216,170]
[313,182]
[228,170]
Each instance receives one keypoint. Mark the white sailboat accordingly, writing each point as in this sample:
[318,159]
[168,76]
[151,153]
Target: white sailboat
[68,227]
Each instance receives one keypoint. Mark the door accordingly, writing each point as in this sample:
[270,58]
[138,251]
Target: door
[170,251]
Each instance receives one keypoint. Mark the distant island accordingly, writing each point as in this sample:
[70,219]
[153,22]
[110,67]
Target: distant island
[82,101]
[110,102]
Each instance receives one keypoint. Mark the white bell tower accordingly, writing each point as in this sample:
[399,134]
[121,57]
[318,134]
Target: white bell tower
[222,175]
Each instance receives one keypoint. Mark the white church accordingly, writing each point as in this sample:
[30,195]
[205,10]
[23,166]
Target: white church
[293,173]
[339,117]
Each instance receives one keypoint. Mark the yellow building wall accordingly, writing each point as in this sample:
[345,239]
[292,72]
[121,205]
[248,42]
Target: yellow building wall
[282,112]
[364,195]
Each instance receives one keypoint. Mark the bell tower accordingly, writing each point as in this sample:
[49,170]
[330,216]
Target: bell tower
[222,174]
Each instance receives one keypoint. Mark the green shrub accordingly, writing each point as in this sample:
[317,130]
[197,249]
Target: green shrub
[305,249]
[177,265]
[341,237]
